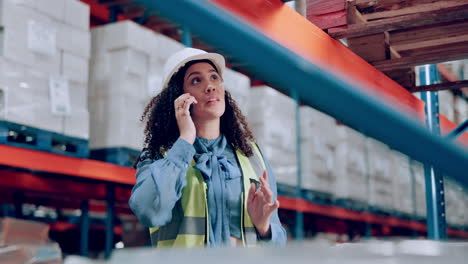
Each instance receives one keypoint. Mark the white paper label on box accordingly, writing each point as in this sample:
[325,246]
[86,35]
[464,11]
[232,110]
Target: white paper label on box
[41,38]
[59,95]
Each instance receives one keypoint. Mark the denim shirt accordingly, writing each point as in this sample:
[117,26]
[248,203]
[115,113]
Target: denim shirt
[160,182]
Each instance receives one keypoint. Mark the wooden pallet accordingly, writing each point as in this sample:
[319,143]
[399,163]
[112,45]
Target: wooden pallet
[318,197]
[351,204]
[396,35]
[119,155]
[18,135]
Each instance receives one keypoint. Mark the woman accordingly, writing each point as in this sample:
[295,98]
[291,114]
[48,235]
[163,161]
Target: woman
[199,157]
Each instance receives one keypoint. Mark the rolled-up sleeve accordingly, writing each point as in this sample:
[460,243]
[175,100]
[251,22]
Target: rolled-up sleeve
[159,184]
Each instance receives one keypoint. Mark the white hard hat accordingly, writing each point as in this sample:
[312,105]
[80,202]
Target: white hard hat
[180,58]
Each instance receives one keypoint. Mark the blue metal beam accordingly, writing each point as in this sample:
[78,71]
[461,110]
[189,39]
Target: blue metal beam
[458,130]
[332,93]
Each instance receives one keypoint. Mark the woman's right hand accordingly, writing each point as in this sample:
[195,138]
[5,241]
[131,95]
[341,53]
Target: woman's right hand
[184,119]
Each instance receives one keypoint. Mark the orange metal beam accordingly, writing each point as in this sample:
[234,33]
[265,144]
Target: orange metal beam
[61,226]
[295,204]
[71,188]
[52,163]
[284,25]
[288,28]
[60,186]
[100,12]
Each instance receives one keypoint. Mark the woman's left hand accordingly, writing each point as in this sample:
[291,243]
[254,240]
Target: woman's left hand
[260,205]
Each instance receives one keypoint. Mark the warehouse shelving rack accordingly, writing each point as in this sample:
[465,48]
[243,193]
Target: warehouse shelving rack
[265,29]
[261,45]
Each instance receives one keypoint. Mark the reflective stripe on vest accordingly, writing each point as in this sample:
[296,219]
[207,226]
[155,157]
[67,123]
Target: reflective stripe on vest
[189,224]
[252,167]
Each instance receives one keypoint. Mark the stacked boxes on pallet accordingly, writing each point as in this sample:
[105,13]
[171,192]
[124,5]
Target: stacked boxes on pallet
[464,206]
[126,69]
[45,64]
[402,183]
[271,117]
[417,169]
[239,87]
[44,58]
[319,136]
[380,180]
[446,104]
[24,241]
[74,43]
[456,203]
[351,171]
[355,171]
[461,110]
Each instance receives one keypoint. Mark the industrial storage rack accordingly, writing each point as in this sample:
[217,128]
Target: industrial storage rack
[238,34]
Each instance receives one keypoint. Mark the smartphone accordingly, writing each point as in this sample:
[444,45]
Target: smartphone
[191,109]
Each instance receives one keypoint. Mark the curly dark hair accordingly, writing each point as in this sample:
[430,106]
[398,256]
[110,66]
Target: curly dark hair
[161,130]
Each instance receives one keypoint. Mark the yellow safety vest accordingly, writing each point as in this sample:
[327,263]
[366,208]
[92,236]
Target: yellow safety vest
[190,219]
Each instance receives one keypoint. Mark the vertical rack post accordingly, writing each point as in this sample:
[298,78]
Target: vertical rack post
[5,209]
[113,14]
[110,220]
[434,182]
[18,200]
[299,229]
[84,228]
[186,36]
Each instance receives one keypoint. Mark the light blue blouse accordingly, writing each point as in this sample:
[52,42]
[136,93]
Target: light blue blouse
[160,183]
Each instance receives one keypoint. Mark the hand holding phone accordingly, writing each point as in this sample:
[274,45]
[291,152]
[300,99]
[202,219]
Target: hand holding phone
[183,107]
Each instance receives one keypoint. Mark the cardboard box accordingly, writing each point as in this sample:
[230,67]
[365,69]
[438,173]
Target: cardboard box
[124,34]
[74,41]
[420,188]
[25,97]
[272,131]
[77,14]
[29,37]
[37,114]
[17,231]
[318,162]
[379,160]
[239,87]
[165,47]
[129,60]
[283,163]
[446,104]
[350,168]
[52,8]
[266,102]
[74,68]
[402,184]
[461,110]
[14,255]
[77,124]
[115,122]
[123,84]
[78,95]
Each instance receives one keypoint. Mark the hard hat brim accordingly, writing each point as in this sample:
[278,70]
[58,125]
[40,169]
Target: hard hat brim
[217,59]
